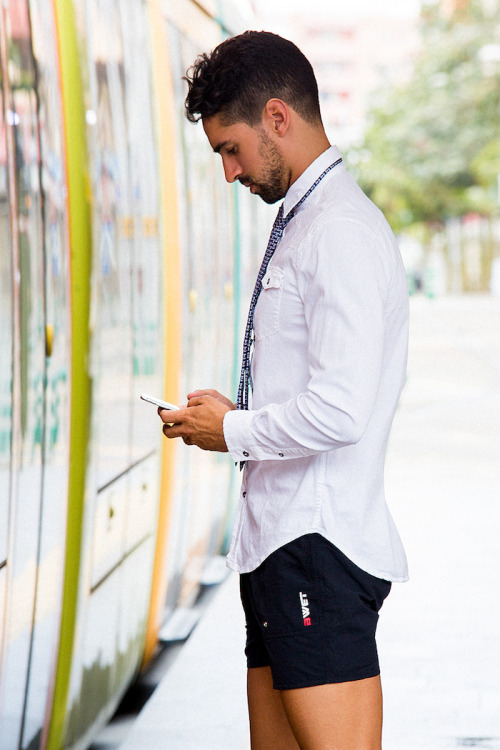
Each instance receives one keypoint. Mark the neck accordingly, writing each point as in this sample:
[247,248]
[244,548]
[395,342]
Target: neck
[305,148]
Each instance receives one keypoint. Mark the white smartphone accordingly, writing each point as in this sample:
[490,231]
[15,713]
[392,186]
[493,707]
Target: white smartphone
[158,402]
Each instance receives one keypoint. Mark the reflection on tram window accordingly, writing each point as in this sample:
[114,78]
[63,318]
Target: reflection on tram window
[5,341]
[113,230]
[126,272]
[53,233]
[28,372]
[147,269]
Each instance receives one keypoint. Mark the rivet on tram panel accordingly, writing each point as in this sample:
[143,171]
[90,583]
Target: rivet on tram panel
[193,300]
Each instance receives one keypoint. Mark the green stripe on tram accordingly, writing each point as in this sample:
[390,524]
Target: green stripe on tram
[80,248]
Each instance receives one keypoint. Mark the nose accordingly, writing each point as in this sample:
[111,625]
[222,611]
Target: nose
[232,169]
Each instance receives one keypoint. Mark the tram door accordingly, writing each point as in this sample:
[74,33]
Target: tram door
[33,378]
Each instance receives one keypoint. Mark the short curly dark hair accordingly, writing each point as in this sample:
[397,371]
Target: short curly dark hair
[240,76]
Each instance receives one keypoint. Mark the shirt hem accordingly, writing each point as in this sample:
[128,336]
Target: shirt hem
[242,568]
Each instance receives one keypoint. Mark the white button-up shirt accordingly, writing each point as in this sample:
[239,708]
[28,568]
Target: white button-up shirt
[331,334]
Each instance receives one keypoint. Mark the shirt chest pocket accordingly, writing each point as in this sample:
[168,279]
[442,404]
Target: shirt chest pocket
[267,311]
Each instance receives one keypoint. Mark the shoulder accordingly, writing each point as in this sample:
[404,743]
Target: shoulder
[343,219]
[338,202]
[343,206]
[342,232]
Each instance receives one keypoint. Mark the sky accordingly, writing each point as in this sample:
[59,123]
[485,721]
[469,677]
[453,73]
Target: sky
[399,8]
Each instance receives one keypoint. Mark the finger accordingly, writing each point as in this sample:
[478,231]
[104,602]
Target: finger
[171,431]
[199,392]
[199,400]
[171,416]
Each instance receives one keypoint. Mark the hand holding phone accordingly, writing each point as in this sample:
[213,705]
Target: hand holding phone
[159,402]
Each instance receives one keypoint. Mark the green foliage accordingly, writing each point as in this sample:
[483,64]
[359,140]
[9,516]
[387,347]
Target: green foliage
[432,147]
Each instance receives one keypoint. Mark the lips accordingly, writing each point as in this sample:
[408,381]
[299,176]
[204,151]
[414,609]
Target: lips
[247,182]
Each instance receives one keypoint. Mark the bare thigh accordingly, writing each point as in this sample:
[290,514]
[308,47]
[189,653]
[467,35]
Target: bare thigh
[269,727]
[341,716]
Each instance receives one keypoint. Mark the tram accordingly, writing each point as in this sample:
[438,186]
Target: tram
[123,260]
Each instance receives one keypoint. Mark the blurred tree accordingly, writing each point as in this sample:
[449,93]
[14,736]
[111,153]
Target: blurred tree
[432,147]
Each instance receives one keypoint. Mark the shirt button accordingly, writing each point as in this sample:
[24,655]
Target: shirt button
[244,494]
[281,455]
[246,454]
[265,624]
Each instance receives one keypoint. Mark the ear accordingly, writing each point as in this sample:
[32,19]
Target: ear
[276,117]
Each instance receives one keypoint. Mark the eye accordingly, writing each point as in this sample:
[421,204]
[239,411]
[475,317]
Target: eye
[232,151]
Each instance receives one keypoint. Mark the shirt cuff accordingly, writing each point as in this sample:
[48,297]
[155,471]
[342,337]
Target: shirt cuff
[236,428]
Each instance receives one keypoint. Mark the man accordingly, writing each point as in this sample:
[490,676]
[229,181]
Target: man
[314,542]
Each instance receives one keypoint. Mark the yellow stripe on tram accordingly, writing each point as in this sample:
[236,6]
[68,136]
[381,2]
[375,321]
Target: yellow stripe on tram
[164,95]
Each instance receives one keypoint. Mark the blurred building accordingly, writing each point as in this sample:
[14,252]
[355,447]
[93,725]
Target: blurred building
[448,7]
[352,57]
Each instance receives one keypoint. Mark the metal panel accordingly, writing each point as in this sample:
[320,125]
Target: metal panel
[108,532]
[142,505]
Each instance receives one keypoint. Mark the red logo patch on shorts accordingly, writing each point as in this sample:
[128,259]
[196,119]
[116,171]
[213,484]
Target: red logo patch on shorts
[306,612]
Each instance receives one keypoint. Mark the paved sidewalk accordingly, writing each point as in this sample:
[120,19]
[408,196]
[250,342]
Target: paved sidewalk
[439,634]
[201,702]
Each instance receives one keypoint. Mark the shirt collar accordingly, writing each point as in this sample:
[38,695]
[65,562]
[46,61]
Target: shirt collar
[309,177]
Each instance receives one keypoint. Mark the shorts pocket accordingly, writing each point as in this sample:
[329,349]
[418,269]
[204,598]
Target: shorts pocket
[291,604]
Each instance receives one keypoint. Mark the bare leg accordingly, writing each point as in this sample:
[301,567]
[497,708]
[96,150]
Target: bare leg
[343,716]
[269,727]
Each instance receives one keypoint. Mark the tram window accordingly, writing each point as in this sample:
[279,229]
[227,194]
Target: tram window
[28,370]
[113,230]
[46,615]
[146,260]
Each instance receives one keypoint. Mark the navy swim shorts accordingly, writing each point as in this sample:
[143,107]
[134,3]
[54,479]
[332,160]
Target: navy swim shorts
[311,615]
